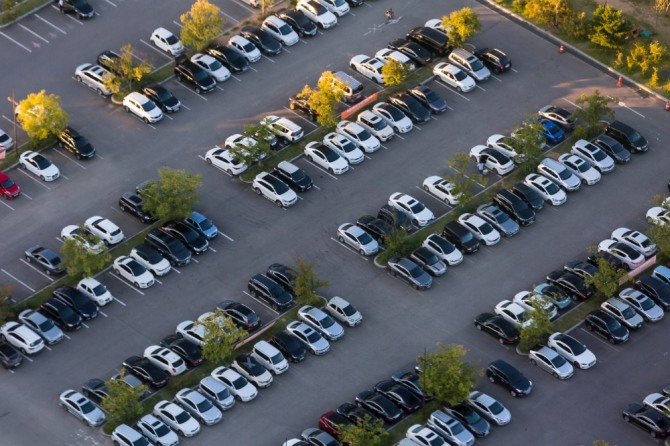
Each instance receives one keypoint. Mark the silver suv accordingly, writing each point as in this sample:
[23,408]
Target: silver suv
[470,64]
[559,174]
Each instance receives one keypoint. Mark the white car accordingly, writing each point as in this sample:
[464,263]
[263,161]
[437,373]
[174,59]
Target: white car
[95,290]
[23,338]
[142,107]
[631,257]
[326,157]
[192,332]
[317,13]
[572,350]
[489,408]
[357,238]
[370,67]
[199,406]
[504,144]
[658,216]
[387,54]
[550,361]
[131,270]
[482,230]
[280,30]
[636,240]
[657,401]
[493,159]
[83,237]
[157,431]
[309,337]
[417,212]
[105,230]
[321,322]
[212,66]
[344,147]
[167,41]
[581,168]
[437,24]
[284,128]
[375,124]
[238,385]
[223,159]
[339,7]
[559,174]
[526,299]
[39,165]
[237,140]
[594,155]
[251,369]
[342,310]
[454,77]
[274,190]
[441,188]
[641,303]
[94,77]
[151,259]
[247,49]
[424,436]
[393,116]
[177,418]
[548,190]
[165,359]
[269,357]
[444,249]
[358,135]
[513,312]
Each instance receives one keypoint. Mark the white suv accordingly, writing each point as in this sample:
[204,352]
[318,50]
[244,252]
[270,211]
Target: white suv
[274,190]
[167,41]
[559,174]
[339,7]
[317,13]
[375,125]
[284,128]
[142,107]
[280,30]
[94,77]
[270,357]
[21,337]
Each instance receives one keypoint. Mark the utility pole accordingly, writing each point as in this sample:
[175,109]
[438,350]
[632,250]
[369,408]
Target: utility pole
[16,138]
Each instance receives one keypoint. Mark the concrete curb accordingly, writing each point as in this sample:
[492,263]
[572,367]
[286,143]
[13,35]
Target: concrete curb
[34,10]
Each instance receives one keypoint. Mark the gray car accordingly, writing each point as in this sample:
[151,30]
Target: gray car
[409,272]
[309,337]
[550,361]
[498,219]
[321,322]
[200,407]
[157,431]
[429,261]
[81,407]
[450,429]
[622,311]
[41,325]
[216,392]
[641,303]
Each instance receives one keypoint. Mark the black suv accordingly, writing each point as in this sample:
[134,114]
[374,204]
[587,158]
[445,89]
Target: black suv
[515,207]
[302,104]
[432,39]
[81,8]
[62,314]
[132,203]
[376,227]
[606,326]
[289,345]
[297,20]
[657,291]
[283,275]
[494,59]
[628,136]
[73,142]
[169,247]
[460,236]
[262,40]
[266,289]
[295,177]
[613,148]
[242,316]
[509,377]
[77,300]
[529,195]
[395,218]
[108,59]
[195,242]
[187,71]
[163,97]
[230,58]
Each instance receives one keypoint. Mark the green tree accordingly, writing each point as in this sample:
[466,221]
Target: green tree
[80,261]
[547,11]
[463,183]
[609,27]
[461,25]
[173,195]
[394,72]
[41,115]
[540,327]
[660,234]
[125,72]
[397,244]
[591,109]
[7,310]
[608,278]
[306,283]
[324,99]
[123,401]
[221,335]
[445,374]
[202,24]
[366,432]
[258,149]
[528,142]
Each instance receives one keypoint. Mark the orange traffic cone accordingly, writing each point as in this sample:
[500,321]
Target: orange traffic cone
[561,49]
[667,105]
[619,83]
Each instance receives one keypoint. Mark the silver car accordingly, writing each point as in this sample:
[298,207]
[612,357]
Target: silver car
[498,219]
[41,325]
[81,407]
[641,303]
[198,406]
[357,238]
[572,350]
[321,322]
[450,428]
[309,337]
[636,240]
[216,392]
[623,312]
[550,361]
[594,155]
[157,431]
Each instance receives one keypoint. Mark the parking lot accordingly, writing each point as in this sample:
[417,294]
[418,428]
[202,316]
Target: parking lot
[400,322]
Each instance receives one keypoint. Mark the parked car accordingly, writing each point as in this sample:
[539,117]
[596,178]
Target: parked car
[550,361]
[489,408]
[409,272]
[72,141]
[649,419]
[508,376]
[572,350]
[444,249]
[606,326]
[498,327]
[141,106]
[82,408]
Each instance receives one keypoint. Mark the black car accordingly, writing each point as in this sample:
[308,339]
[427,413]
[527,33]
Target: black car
[494,59]
[615,262]
[267,44]
[432,39]
[649,419]
[46,258]
[189,351]
[163,97]
[413,50]
[132,203]
[529,195]
[379,405]
[169,247]
[108,59]
[627,136]
[187,71]
[195,242]
[410,106]
[657,291]
[606,326]
[515,207]
[355,413]
[460,236]
[145,370]
[289,346]
[81,8]
[73,142]
[9,356]
[410,380]
[498,327]
[95,389]
[62,314]
[470,419]
[399,395]
[266,289]
[300,24]
[229,57]
[295,177]
[613,148]
[283,275]
[428,98]
[243,316]
[377,228]
[79,302]
[508,376]
[302,104]
[571,283]
[396,218]
[581,269]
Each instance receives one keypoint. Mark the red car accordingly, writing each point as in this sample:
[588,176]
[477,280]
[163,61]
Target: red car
[331,421]
[8,188]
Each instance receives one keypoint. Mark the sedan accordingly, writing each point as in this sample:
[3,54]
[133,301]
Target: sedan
[594,155]
[547,189]
[177,418]
[658,216]
[309,337]
[399,395]
[409,272]
[393,116]
[498,327]
[370,67]
[657,401]
[442,189]
[358,135]
[606,326]
[375,125]
[8,188]
[62,314]
[39,165]
[212,66]
[332,422]
[550,361]
[631,257]
[321,322]
[656,289]
[410,106]
[261,40]
[187,350]
[379,405]
[498,219]
[421,435]
[200,407]
[300,24]
[238,385]
[132,271]
[514,313]
[150,259]
[357,238]
[413,208]
[529,195]
[157,431]
[492,159]
[571,284]
[429,261]
[105,230]
[650,420]
[613,148]
[444,249]
[45,258]
[192,239]
[342,310]
[376,227]
[470,419]
[316,437]
[581,168]
[146,371]
[23,338]
[387,54]
[243,316]
[530,301]
[249,367]
[636,240]
[344,147]
[416,52]
[481,229]
[73,142]
[642,304]
[41,325]
[166,41]
[317,13]
[165,359]
[225,160]
[552,132]
[142,107]
[559,116]
[505,144]
[573,350]
[82,408]
[454,77]
[77,300]
[489,408]
[82,237]
[581,269]
[162,97]
[245,48]
[9,356]
[326,157]
[428,98]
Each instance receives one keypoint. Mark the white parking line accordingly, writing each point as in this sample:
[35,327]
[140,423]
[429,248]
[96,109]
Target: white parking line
[177,23]
[33,33]
[302,117]
[621,104]
[37,270]
[78,21]
[513,70]
[156,49]
[231,17]
[211,249]
[111,3]
[48,348]
[186,107]
[49,23]
[125,283]
[252,68]
[22,46]
[158,281]
[261,302]
[7,119]
[397,135]
[266,57]
[316,187]
[572,103]
[85,325]
[22,283]
[449,88]
[168,116]
[350,249]
[119,301]
[221,233]
[27,357]
[103,313]
[98,156]
[23,194]
[416,127]
[481,88]
[194,260]
[176,270]
[610,346]
[286,50]
[496,78]
[236,78]
[220,88]
[186,88]
[66,336]
[7,205]
[60,152]
[64,176]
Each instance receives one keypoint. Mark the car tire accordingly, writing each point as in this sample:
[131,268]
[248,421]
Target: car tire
[42,178]
[117,272]
[341,239]
[99,91]
[137,285]
[500,340]
[23,350]
[459,89]
[653,434]
[291,105]
[589,327]
[275,307]
[123,208]
[208,160]
[555,375]
[532,361]
[28,259]
[416,287]
[145,119]
[626,418]
[309,157]
[492,379]
[479,327]
[362,252]
[513,393]
[415,223]
[331,171]
[78,156]
[353,67]
[257,190]
[47,272]
[198,90]
[611,340]
[279,203]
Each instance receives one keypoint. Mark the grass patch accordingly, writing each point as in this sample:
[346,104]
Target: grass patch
[20,9]
[419,417]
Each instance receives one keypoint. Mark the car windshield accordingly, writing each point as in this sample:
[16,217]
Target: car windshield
[189,235]
[298,175]
[338,2]
[364,238]
[87,407]
[558,361]
[327,322]
[416,272]
[581,167]
[363,135]
[485,228]
[249,47]
[552,188]
[79,3]
[7,184]
[476,65]
[496,408]
[206,224]
[379,124]
[598,154]
[635,137]
[628,313]
[313,337]
[162,94]
[347,146]
[564,174]
[285,29]
[215,65]
[470,416]
[330,155]
[276,359]
[465,238]
[160,429]
[239,383]
[182,417]
[172,39]
[204,405]
[99,290]
[613,325]
[432,259]
[46,325]
[460,75]
[42,162]
[223,394]
[148,106]
[136,268]
[396,114]
[201,77]
[349,310]
[500,216]
[646,304]
[431,96]
[417,207]
[552,129]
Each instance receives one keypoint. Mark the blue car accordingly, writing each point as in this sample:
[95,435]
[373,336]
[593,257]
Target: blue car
[202,225]
[552,131]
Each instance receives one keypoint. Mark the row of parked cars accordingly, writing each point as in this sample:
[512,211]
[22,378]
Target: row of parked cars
[652,414]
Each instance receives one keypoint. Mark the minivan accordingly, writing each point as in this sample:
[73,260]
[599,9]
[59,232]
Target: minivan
[353,90]
[627,136]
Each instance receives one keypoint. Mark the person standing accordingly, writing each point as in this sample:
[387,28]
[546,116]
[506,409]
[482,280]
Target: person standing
[480,167]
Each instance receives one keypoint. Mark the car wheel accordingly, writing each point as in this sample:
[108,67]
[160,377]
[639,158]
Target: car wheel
[479,327]
[180,78]
[78,156]
[291,106]
[197,90]
[492,379]
[532,361]
[48,273]
[275,307]
[309,157]
[42,178]
[611,340]
[208,160]
[513,393]
[341,239]
[99,91]
[415,223]
[590,327]
[23,350]
[555,375]
[125,107]
[500,340]
[123,208]
[181,432]
[416,286]
[257,190]
[278,203]
[146,120]
[81,17]
[650,220]
[362,252]
[353,67]
[78,78]
[137,285]
[117,272]
[653,434]
[459,89]
[626,418]
[331,171]
[28,259]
